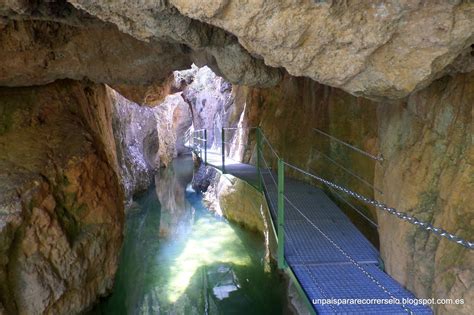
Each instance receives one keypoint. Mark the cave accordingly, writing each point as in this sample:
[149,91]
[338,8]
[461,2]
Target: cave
[227,157]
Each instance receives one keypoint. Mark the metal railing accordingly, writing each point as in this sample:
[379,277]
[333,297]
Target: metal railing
[264,166]
[278,181]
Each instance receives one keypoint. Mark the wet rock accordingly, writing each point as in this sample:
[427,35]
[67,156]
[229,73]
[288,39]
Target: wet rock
[203,177]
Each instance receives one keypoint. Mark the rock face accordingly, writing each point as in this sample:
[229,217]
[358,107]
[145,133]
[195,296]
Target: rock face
[381,49]
[428,171]
[375,49]
[39,52]
[45,41]
[426,142]
[61,210]
[137,143]
[210,99]
[147,138]
[288,113]
[238,201]
[173,119]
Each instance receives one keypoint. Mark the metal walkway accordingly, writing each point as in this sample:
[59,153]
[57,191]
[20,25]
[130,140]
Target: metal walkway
[334,265]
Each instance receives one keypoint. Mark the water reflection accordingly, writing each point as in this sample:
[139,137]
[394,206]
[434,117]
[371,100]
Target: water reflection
[181,259]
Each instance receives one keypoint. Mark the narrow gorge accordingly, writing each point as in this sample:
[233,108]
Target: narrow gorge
[158,157]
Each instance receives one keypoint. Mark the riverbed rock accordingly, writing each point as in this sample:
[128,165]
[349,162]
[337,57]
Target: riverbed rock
[61,209]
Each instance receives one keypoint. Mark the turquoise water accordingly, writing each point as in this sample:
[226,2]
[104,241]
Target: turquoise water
[179,258]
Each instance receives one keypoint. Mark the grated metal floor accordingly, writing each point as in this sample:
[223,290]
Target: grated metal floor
[321,246]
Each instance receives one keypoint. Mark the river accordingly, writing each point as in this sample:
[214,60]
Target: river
[180,258]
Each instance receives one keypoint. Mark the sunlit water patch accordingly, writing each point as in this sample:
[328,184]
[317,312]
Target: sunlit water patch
[179,258]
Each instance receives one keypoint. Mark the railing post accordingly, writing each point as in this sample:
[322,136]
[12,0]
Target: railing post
[205,146]
[200,143]
[281,214]
[259,157]
[223,149]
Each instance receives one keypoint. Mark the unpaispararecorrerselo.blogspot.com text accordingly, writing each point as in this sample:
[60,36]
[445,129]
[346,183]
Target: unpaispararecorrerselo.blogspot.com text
[393,301]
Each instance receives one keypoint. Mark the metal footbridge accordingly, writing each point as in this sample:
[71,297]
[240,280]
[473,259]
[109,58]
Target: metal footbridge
[335,268]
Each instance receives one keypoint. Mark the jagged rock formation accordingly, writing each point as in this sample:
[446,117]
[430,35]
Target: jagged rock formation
[147,138]
[383,49]
[38,52]
[137,143]
[378,50]
[213,106]
[374,49]
[210,100]
[172,118]
[42,42]
[61,209]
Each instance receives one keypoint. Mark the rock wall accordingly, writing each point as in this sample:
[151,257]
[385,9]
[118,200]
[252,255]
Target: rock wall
[210,100]
[288,114]
[147,138]
[426,142]
[172,118]
[137,143]
[378,49]
[61,210]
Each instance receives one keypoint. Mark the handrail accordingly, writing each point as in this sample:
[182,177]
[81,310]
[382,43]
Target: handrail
[401,215]
[235,128]
[378,158]
[353,207]
[372,202]
[269,145]
[350,172]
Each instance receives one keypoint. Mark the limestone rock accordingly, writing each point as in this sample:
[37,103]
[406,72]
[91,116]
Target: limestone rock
[61,211]
[149,94]
[374,49]
[45,41]
[383,49]
[428,172]
[39,52]
[211,101]
[137,143]
[173,119]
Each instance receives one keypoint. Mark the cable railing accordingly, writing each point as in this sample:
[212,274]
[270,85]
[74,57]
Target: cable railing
[362,180]
[279,181]
[377,158]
